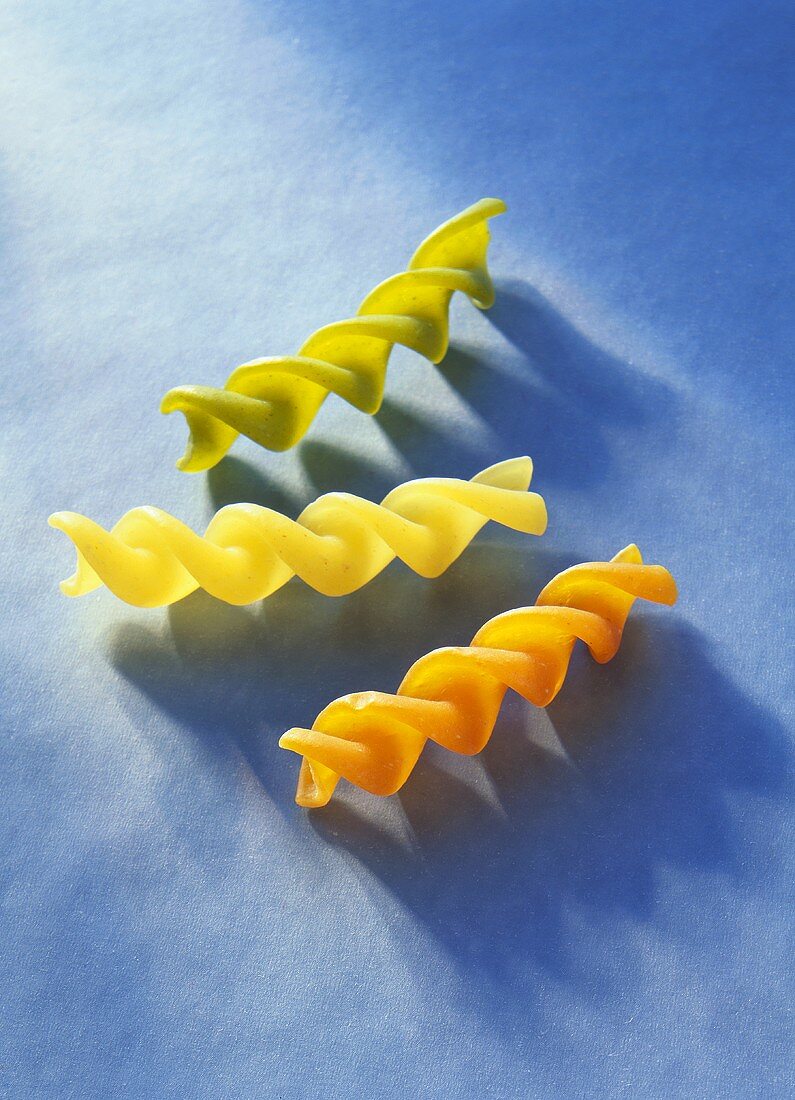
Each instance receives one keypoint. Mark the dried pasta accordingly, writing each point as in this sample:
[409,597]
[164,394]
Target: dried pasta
[453,695]
[337,544]
[273,401]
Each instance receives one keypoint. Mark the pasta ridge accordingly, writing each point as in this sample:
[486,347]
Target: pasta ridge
[453,696]
[273,401]
[338,544]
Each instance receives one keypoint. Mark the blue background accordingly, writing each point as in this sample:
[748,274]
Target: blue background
[601,903]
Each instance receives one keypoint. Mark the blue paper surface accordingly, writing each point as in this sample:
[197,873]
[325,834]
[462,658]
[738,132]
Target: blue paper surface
[601,903]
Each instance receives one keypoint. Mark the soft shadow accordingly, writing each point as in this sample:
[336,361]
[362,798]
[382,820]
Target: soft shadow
[576,392]
[427,443]
[236,678]
[332,468]
[234,480]
[559,402]
[504,852]
[569,816]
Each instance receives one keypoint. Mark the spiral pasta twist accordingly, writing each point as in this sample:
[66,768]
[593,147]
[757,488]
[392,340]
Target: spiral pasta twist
[273,401]
[337,544]
[453,695]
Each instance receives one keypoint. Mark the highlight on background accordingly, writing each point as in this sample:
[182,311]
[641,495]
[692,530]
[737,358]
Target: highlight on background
[273,401]
[452,696]
[337,544]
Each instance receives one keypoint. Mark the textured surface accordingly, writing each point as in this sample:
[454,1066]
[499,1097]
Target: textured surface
[337,545]
[453,695]
[600,904]
[273,401]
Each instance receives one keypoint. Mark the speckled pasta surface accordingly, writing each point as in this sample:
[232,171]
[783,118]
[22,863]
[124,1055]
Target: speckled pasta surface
[274,401]
[453,695]
[337,544]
